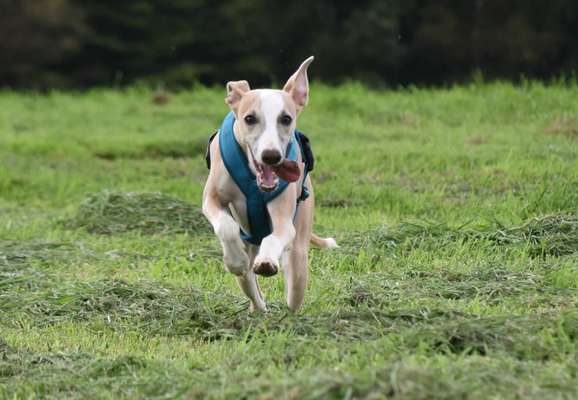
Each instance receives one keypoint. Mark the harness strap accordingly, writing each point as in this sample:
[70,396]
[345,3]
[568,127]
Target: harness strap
[307,158]
[237,165]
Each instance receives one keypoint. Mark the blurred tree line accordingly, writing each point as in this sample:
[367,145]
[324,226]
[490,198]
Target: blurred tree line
[80,43]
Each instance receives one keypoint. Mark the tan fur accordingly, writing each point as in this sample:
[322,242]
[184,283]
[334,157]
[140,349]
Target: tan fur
[224,203]
[318,241]
[235,92]
[249,102]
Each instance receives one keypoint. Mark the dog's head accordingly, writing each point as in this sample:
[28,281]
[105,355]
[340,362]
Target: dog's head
[264,124]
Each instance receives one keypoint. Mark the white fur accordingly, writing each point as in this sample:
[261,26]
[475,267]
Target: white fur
[330,243]
[273,245]
[271,108]
[234,255]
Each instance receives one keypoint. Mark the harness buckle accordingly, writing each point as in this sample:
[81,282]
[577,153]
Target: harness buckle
[304,194]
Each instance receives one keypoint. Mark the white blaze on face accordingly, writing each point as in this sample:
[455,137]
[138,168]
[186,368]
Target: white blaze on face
[271,108]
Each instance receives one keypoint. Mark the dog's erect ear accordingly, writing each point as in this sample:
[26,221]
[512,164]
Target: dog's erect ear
[298,85]
[235,91]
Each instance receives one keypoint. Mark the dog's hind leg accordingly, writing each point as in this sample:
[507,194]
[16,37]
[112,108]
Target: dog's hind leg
[249,285]
[296,275]
[295,258]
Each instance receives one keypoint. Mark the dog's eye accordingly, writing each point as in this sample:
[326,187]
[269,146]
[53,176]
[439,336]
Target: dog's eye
[285,120]
[250,120]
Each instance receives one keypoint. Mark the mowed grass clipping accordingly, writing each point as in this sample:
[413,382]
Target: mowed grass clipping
[549,235]
[115,212]
[457,278]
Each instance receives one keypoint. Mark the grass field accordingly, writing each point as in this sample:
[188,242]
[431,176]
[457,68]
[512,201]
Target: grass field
[456,210]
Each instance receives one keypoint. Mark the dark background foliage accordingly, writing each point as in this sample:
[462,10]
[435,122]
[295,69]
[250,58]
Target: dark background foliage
[81,43]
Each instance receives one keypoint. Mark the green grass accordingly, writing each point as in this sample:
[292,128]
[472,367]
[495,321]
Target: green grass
[456,210]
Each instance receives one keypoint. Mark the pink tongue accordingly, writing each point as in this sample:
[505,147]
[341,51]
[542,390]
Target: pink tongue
[288,170]
[267,176]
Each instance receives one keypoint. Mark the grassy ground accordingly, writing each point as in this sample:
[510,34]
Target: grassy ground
[457,212]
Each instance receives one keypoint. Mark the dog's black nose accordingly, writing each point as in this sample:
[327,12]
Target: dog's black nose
[271,157]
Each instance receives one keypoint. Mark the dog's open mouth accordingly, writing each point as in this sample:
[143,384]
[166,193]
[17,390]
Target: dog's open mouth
[268,175]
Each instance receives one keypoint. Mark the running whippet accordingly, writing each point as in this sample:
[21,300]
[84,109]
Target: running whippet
[258,196]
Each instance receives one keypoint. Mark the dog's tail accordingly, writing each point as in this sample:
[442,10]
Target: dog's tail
[324,243]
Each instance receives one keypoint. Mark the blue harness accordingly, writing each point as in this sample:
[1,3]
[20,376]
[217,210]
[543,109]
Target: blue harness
[237,165]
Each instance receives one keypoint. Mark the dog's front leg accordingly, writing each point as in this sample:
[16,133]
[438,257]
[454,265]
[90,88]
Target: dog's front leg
[227,230]
[248,283]
[235,257]
[281,211]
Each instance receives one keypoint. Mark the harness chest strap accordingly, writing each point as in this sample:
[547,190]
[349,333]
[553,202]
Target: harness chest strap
[237,165]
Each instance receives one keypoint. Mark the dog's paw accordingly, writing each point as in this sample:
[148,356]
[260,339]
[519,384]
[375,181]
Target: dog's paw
[265,267]
[257,308]
[330,243]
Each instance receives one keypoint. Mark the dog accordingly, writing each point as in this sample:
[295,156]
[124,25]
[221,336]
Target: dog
[258,196]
